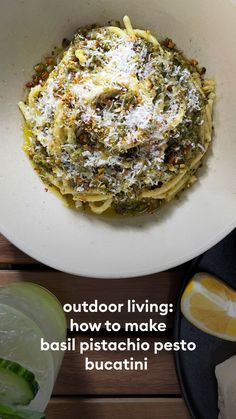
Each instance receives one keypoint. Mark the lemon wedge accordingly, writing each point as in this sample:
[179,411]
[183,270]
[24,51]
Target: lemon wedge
[210,305]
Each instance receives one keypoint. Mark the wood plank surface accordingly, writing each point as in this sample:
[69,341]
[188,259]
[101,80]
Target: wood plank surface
[98,394]
[159,288]
[159,379]
[11,254]
[117,408]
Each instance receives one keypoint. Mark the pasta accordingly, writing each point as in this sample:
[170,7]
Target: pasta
[122,122]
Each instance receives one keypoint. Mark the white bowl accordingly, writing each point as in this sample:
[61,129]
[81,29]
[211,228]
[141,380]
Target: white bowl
[37,222]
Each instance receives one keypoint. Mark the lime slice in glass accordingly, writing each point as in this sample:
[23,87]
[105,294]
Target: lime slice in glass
[41,306]
[20,341]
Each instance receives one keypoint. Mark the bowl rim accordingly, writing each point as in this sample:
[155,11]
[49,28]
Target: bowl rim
[111,274]
[218,231]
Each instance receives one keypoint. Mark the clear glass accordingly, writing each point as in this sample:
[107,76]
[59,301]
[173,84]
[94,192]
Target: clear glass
[28,314]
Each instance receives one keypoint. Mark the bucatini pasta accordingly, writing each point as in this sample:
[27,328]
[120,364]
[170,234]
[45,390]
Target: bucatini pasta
[122,121]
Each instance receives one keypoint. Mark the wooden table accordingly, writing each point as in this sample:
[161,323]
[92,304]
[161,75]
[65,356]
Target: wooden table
[102,394]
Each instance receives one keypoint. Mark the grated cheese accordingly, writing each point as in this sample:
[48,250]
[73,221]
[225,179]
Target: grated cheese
[123,107]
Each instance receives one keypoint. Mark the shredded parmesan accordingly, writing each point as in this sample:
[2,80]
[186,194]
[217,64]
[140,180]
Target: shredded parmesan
[113,113]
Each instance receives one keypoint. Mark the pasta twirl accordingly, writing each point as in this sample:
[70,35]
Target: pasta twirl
[123,120]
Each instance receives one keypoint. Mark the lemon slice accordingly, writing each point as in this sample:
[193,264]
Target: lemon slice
[210,305]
